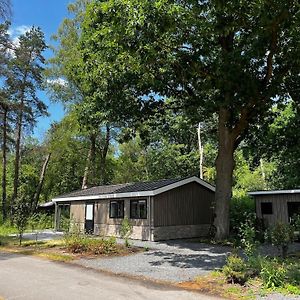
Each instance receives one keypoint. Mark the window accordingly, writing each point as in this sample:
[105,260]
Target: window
[116,209]
[266,208]
[138,209]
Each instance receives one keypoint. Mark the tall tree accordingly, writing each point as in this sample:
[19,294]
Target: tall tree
[5,108]
[228,58]
[24,78]
[68,86]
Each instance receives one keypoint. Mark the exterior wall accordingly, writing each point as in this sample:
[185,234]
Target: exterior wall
[77,215]
[280,208]
[179,232]
[183,212]
[104,225]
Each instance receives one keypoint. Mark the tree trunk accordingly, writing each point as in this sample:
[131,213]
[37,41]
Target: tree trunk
[200,151]
[104,154]
[17,157]
[224,168]
[89,162]
[40,185]
[4,164]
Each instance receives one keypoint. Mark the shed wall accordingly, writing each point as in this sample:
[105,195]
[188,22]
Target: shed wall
[186,205]
[279,204]
[184,212]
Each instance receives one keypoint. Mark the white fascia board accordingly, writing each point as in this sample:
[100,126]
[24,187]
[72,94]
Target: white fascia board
[274,192]
[105,196]
[139,194]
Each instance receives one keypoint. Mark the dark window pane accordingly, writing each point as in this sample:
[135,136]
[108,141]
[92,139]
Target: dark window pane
[138,209]
[266,208]
[116,209]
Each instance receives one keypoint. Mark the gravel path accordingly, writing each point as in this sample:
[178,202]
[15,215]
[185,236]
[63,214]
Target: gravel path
[170,261]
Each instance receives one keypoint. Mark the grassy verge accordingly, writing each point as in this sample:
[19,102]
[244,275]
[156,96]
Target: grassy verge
[67,249]
[215,284]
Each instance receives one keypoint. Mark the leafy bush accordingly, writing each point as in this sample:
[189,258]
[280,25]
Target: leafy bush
[247,234]
[273,273]
[241,206]
[126,230]
[236,269]
[78,243]
[282,235]
[22,211]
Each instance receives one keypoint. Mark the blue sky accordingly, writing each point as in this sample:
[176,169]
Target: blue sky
[47,14]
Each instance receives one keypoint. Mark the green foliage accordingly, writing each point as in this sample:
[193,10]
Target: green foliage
[241,206]
[236,269]
[40,221]
[282,235]
[273,273]
[126,230]
[78,243]
[22,210]
[247,234]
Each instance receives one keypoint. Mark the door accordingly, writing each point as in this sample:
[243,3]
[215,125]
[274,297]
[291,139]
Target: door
[89,218]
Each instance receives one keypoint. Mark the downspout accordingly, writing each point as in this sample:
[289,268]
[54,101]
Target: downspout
[150,201]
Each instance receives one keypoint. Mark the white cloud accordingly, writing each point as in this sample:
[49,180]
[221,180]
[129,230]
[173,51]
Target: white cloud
[57,81]
[15,33]
[18,30]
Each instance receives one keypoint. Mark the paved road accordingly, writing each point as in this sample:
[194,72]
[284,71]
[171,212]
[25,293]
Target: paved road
[29,278]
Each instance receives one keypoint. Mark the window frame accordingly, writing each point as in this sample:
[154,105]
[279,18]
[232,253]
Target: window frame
[119,216]
[139,217]
[268,207]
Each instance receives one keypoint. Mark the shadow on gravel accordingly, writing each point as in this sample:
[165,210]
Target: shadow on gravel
[200,261]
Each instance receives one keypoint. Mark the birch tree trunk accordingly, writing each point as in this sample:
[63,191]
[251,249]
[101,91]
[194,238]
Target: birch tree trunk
[40,185]
[89,162]
[200,151]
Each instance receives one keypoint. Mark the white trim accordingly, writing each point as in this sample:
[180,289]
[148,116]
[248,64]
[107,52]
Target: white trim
[274,192]
[139,194]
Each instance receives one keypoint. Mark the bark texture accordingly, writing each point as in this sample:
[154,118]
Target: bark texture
[89,162]
[4,162]
[41,181]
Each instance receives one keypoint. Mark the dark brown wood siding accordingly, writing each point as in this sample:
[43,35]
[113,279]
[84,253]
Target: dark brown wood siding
[279,205]
[189,204]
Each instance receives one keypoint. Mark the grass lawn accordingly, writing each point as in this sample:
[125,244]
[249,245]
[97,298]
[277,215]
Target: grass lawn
[65,249]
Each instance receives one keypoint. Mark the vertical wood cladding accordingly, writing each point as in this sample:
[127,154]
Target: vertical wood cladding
[279,204]
[189,204]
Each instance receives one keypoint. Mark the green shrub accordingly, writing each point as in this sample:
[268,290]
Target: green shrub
[126,230]
[247,234]
[282,235]
[241,206]
[79,243]
[236,269]
[273,274]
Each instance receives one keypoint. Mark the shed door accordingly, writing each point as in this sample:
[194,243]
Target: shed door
[89,218]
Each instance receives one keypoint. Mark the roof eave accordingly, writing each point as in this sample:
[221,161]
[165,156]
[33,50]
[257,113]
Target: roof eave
[276,192]
[138,194]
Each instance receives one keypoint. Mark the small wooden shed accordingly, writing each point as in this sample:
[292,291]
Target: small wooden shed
[277,206]
[158,210]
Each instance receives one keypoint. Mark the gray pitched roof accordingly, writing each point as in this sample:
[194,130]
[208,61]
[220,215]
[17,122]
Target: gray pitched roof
[122,188]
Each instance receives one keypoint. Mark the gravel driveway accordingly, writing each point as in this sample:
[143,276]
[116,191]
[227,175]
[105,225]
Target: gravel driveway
[174,261]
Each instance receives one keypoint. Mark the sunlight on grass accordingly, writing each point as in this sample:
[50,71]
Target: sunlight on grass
[55,256]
